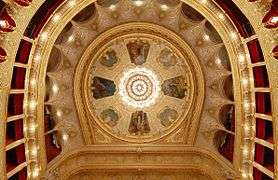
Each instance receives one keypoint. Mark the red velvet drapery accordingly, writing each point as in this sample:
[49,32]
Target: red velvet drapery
[40,18]
[16,107]
[23,52]
[239,19]
[255,50]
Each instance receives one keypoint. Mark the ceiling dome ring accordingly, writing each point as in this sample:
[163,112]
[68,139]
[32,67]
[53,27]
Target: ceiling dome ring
[88,105]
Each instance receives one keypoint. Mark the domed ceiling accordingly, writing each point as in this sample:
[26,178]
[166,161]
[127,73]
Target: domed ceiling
[142,78]
[143,89]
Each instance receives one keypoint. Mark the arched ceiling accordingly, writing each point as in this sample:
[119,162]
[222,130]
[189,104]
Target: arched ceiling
[140,86]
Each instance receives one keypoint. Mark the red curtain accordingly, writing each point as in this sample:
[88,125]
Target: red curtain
[239,19]
[23,52]
[255,51]
[18,79]
[20,151]
[40,18]
[15,108]
[260,76]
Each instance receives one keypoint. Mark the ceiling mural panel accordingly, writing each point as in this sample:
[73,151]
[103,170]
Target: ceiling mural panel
[138,89]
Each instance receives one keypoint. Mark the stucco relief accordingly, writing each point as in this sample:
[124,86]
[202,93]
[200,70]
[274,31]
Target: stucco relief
[123,159]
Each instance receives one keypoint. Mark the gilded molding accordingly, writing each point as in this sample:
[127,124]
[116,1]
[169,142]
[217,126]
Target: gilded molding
[155,32]
[136,157]
[3,117]
[267,38]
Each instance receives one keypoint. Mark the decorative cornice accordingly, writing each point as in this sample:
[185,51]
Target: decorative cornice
[140,157]
[267,39]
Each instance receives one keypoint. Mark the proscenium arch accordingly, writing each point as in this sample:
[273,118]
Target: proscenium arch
[224,32]
[71,164]
[91,172]
[238,144]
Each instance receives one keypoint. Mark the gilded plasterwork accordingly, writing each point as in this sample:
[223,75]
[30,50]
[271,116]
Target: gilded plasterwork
[138,46]
[74,50]
[143,175]
[267,40]
[148,159]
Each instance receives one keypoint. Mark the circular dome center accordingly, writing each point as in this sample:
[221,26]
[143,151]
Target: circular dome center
[139,87]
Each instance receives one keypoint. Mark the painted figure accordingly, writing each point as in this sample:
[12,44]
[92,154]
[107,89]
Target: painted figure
[167,58]
[109,59]
[138,52]
[102,87]
[139,123]
[110,117]
[175,87]
[168,116]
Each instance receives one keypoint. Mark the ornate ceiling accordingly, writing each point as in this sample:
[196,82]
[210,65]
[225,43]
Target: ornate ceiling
[141,89]
[168,89]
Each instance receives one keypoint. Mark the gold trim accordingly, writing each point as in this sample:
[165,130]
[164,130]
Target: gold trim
[264,143]
[15,144]
[64,166]
[16,117]
[152,31]
[17,169]
[266,38]
[264,170]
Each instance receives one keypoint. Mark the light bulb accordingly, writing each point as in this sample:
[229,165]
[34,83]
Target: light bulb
[59,113]
[33,82]
[241,58]
[55,88]
[3,23]
[72,3]
[34,151]
[71,38]
[32,127]
[44,36]
[37,58]
[65,136]
[233,35]
[32,105]
[56,18]
[139,3]
[164,7]
[245,82]
[274,19]
[245,151]
[206,37]
[112,7]
[221,16]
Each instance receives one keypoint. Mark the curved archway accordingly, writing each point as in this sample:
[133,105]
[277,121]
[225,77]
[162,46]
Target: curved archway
[255,64]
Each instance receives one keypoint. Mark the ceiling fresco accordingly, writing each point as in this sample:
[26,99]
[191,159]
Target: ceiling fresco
[143,90]
[139,89]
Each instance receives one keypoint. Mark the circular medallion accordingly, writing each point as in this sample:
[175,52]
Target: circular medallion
[139,87]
